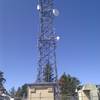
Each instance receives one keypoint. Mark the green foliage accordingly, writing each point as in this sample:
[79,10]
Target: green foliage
[18,92]
[2,81]
[48,73]
[22,91]
[12,92]
[68,85]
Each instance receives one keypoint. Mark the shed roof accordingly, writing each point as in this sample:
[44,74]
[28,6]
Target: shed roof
[42,84]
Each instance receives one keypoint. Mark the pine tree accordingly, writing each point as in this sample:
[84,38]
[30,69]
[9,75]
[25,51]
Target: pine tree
[18,94]
[12,92]
[24,90]
[48,73]
[2,81]
[68,85]
[21,92]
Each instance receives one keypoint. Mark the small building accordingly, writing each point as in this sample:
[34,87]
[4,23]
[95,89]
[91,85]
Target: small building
[88,92]
[41,91]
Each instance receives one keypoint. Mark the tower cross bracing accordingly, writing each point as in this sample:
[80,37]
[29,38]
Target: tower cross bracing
[47,39]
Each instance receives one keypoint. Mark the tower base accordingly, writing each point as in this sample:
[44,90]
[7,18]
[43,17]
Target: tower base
[42,91]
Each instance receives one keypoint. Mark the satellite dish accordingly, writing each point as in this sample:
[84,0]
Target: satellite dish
[58,38]
[55,12]
[38,7]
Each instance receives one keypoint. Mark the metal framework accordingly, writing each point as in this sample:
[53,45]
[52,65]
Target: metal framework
[46,39]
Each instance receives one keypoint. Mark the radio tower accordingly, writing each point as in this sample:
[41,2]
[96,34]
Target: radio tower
[47,39]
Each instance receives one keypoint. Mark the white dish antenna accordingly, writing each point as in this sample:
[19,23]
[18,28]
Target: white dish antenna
[56,12]
[58,38]
[38,7]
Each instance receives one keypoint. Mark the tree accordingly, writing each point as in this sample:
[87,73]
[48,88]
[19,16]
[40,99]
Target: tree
[48,73]
[18,94]
[2,81]
[68,85]
[22,91]
[12,92]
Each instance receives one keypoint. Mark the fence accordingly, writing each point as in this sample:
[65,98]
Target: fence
[51,98]
[80,98]
[67,98]
[4,98]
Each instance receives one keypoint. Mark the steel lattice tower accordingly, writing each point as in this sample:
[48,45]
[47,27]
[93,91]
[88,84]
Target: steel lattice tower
[47,38]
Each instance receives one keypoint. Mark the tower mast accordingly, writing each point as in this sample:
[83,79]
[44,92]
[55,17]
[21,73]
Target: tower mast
[47,38]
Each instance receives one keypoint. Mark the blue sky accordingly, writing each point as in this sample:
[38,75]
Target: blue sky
[78,51]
